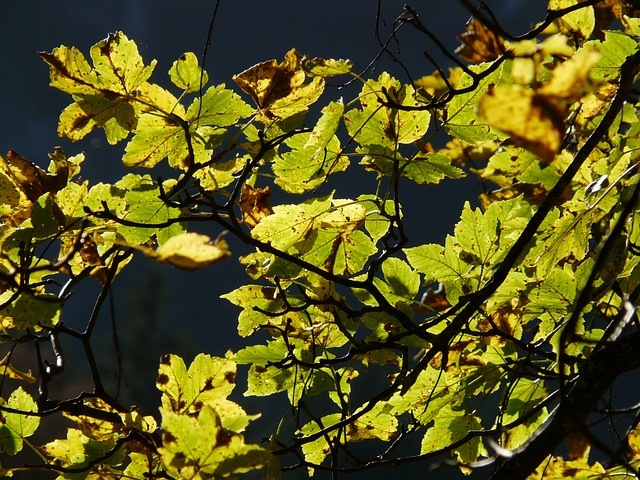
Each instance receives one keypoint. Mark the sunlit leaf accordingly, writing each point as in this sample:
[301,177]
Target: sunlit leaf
[461,119]
[190,251]
[614,50]
[198,447]
[185,73]
[312,156]
[278,89]
[118,64]
[531,120]
[208,382]
[31,311]
[15,427]
[219,106]
[378,124]
[577,24]
[451,426]
[329,67]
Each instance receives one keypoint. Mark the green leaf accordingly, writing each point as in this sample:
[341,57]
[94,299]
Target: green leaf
[614,50]
[489,236]
[378,211]
[207,382]
[119,65]
[262,355]
[219,107]
[185,73]
[264,381]
[451,426]
[291,224]
[320,67]
[428,396]
[312,156]
[429,168]
[77,450]
[461,119]
[31,311]
[256,299]
[198,447]
[15,427]
[157,137]
[442,264]
[386,126]
[144,205]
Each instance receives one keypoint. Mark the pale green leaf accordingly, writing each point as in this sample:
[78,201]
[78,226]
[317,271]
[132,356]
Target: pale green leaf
[451,426]
[185,73]
[219,107]
[461,119]
[312,156]
[614,50]
[321,67]
[119,65]
[15,427]
[200,448]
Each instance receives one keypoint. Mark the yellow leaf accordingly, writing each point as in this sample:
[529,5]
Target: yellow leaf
[570,80]
[70,71]
[190,251]
[533,122]
[278,89]
[9,371]
[346,216]
[577,24]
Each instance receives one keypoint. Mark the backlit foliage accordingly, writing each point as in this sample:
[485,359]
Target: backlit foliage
[486,351]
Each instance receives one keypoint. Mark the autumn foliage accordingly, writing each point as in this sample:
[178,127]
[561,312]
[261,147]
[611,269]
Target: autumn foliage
[493,352]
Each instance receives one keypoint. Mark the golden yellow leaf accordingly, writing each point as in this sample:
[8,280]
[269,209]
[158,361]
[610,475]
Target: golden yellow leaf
[346,216]
[570,80]
[190,251]
[534,122]
[9,371]
[278,89]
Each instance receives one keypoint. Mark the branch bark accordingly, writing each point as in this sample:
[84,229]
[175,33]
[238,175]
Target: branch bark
[597,375]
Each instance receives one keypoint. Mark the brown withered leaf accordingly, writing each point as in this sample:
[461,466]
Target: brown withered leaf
[268,81]
[433,300]
[505,319]
[457,356]
[479,43]
[254,204]
[32,179]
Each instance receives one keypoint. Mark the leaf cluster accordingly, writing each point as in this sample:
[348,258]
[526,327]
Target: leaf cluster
[480,350]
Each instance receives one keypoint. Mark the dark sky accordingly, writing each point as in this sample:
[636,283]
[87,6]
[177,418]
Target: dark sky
[160,310]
